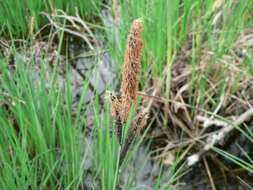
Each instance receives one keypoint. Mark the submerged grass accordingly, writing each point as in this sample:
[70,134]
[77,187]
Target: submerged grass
[245,161]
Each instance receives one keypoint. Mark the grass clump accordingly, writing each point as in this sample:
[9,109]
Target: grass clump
[41,147]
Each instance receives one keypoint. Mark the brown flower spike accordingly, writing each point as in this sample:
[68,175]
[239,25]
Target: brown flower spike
[132,60]
[121,102]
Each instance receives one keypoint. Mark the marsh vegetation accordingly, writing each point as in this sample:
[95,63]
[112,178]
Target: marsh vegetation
[89,101]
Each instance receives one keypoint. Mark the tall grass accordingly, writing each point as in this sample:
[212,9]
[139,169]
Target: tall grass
[43,141]
[17,17]
[41,146]
[168,24]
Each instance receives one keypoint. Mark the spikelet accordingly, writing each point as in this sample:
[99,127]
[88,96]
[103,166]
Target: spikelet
[132,61]
[120,105]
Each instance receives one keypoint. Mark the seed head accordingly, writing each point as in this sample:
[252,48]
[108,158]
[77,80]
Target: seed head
[132,60]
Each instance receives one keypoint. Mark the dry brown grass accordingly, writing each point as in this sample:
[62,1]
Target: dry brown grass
[219,90]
